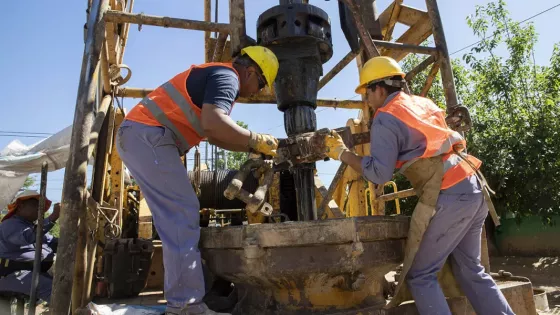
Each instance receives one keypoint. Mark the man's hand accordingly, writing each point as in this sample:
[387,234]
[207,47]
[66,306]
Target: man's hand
[263,143]
[335,145]
[56,212]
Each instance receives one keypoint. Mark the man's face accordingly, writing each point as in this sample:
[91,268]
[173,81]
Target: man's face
[28,209]
[375,97]
[253,83]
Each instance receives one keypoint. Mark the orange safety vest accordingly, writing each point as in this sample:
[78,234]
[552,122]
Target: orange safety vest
[422,114]
[170,105]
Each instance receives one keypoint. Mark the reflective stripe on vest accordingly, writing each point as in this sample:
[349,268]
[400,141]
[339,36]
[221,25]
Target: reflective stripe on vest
[424,116]
[184,106]
[162,119]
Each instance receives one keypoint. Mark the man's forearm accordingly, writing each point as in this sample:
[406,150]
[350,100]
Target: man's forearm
[353,160]
[229,146]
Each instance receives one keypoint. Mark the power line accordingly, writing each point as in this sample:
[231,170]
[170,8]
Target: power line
[27,132]
[22,136]
[497,32]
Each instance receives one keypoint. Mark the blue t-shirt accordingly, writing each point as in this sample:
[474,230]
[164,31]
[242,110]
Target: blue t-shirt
[217,85]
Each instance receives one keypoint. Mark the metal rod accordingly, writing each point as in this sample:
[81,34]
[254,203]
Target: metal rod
[371,50]
[399,194]
[216,4]
[207,18]
[444,61]
[420,67]
[406,47]
[257,99]
[430,80]
[38,239]
[336,69]
[332,187]
[237,24]
[165,21]
[219,47]
[74,190]
[125,33]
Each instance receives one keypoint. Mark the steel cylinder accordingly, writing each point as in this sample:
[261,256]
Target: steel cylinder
[212,187]
[300,36]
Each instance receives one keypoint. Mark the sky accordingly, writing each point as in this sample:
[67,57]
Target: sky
[41,58]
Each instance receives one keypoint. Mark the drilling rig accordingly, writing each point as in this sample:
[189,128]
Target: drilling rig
[300,251]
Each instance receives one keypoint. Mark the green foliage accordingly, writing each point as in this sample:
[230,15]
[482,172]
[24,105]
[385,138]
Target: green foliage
[29,181]
[234,159]
[514,105]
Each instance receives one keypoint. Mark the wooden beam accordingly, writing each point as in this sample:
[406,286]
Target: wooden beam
[430,80]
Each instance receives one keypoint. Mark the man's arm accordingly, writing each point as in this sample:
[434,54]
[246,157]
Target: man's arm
[384,150]
[222,131]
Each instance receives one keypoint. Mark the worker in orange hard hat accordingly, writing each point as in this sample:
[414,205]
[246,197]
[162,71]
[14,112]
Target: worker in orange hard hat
[410,133]
[175,117]
[17,245]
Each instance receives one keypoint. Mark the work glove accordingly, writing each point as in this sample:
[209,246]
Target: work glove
[335,146]
[263,143]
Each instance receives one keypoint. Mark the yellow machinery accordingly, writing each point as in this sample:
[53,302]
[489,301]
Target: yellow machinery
[314,266]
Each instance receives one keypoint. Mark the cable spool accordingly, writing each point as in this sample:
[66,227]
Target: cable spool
[212,187]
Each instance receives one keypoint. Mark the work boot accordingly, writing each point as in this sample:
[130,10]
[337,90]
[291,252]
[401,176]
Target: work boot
[194,309]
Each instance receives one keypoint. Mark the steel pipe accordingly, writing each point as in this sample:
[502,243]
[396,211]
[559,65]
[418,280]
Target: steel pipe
[38,239]
[75,183]
[165,21]
[407,47]
[257,99]
[444,61]
[336,69]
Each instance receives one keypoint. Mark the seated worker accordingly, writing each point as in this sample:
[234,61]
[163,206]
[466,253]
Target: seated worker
[17,245]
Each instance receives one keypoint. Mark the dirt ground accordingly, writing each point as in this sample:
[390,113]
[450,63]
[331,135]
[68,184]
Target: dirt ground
[544,273]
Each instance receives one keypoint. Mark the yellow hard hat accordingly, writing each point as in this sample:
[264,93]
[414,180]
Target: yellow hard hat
[265,59]
[378,68]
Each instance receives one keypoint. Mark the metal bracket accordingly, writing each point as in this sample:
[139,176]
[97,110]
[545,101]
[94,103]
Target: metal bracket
[459,118]
[116,76]
[255,202]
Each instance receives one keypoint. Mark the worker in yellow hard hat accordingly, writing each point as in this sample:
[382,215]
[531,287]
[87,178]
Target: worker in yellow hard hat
[410,133]
[193,105]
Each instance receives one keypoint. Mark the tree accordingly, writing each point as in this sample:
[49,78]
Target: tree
[29,181]
[514,104]
[234,159]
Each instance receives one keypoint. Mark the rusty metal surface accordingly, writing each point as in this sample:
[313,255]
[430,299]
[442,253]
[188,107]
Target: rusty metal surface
[393,19]
[406,47]
[365,36]
[410,16]
[219,47]
[254,202]
[420,67]
[74,190]
[165,21]
[399,194]
[237,25]
[430,80]
[444,60]
[322,267]
[415,35]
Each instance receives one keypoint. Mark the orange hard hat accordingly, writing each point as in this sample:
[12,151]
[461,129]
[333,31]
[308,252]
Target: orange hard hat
[25,195]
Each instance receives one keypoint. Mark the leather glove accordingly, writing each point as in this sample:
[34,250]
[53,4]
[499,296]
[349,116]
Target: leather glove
[335,146]
[263,143]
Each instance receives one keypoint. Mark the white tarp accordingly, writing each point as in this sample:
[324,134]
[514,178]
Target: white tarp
[119,309]
[17,161]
